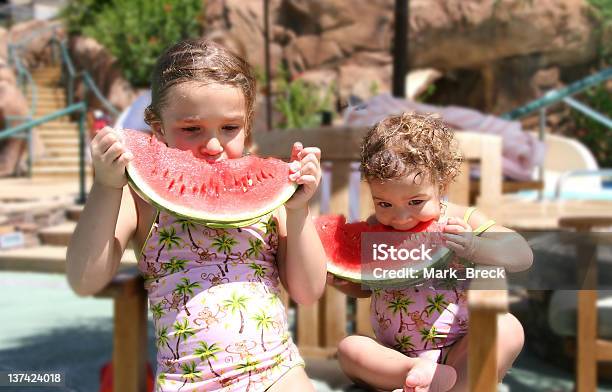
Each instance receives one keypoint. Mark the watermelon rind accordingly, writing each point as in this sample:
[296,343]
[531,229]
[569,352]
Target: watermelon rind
[221,221]
[439,259]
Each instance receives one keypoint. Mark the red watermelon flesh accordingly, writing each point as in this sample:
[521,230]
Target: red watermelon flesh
[342,244]
[234,191]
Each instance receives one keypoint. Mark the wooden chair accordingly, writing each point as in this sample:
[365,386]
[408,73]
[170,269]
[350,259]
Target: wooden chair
[590,349]
[320,327]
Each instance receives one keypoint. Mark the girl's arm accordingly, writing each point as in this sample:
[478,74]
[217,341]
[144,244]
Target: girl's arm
[301,258]
[108,220]
[498,246]
[106,224]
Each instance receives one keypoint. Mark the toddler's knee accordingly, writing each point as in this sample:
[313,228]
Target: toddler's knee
[349,352]
[512,333]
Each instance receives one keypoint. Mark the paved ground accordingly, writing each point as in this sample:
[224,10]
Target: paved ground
[47,327]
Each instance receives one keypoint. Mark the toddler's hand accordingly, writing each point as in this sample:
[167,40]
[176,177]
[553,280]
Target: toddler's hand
[109,158]
[332,280]
[460,238]
[306,171]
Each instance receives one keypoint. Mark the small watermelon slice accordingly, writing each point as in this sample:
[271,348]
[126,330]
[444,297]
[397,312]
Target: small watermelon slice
[342,244]
[230,193]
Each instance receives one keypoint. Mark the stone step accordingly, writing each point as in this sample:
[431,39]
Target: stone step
[62,152]
[46,258]
[62,142]
[43,91]
[51,84]
[50,103]
[46,75]
[48,92]
[58,235]
[48,70]
[47,100]
[43,112]
[55,124]
[68,172]
[57,133]
[70,161]
[73,213]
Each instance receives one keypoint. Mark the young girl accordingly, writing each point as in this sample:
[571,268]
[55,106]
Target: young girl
[408,161]
[219,323]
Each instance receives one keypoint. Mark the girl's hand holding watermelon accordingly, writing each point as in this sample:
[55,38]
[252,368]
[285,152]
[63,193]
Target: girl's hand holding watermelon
[109,158]
[306,167]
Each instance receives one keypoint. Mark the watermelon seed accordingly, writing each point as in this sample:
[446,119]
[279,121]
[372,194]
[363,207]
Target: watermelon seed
[263,174]
[194,190]
[203,189]
[250,182]
[165,175]
[258,176]
[154,171]
[171,185]
[182,190]
[181,178]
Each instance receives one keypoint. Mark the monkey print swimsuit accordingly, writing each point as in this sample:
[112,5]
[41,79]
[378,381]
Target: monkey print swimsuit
[214,294]
[423,321]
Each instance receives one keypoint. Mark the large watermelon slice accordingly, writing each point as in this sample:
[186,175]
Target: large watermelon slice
[342,244]
[230,193]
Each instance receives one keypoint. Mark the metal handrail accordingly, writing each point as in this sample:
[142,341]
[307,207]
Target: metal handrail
[579,173]
[84,75]
[554,96]
[72,107]
[589,112]
[27,128]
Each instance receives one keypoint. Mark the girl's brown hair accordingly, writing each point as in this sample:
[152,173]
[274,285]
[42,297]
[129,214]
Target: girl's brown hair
[407,143]
[199,60]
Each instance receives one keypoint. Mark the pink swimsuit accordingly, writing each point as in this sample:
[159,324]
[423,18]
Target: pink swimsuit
[214,295]
[422,321]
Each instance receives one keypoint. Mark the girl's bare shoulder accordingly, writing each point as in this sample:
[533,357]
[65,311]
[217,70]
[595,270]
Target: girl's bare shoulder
[145,216]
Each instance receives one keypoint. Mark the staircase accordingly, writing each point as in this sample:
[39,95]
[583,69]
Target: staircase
[60,137]
[50,255]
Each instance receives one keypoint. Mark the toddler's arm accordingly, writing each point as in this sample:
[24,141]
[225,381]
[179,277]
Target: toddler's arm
[349,288]
[107,222]
[498,246]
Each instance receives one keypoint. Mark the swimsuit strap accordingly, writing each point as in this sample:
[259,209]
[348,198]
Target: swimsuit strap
[482,228]
[468,214]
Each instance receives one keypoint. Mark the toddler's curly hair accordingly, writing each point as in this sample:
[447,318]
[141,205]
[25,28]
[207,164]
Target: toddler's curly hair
[409,143]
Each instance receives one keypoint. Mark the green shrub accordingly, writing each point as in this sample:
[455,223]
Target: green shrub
[78,14]
[603,12]
[136,31]
[596,136]
[300,103]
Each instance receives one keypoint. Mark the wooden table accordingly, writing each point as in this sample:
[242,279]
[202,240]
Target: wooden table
[590,349]
[130,321]
[580,216]
[507,187]
[545,215]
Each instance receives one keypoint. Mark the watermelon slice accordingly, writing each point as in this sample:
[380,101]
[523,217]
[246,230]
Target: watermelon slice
[342,243]
[230,193]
